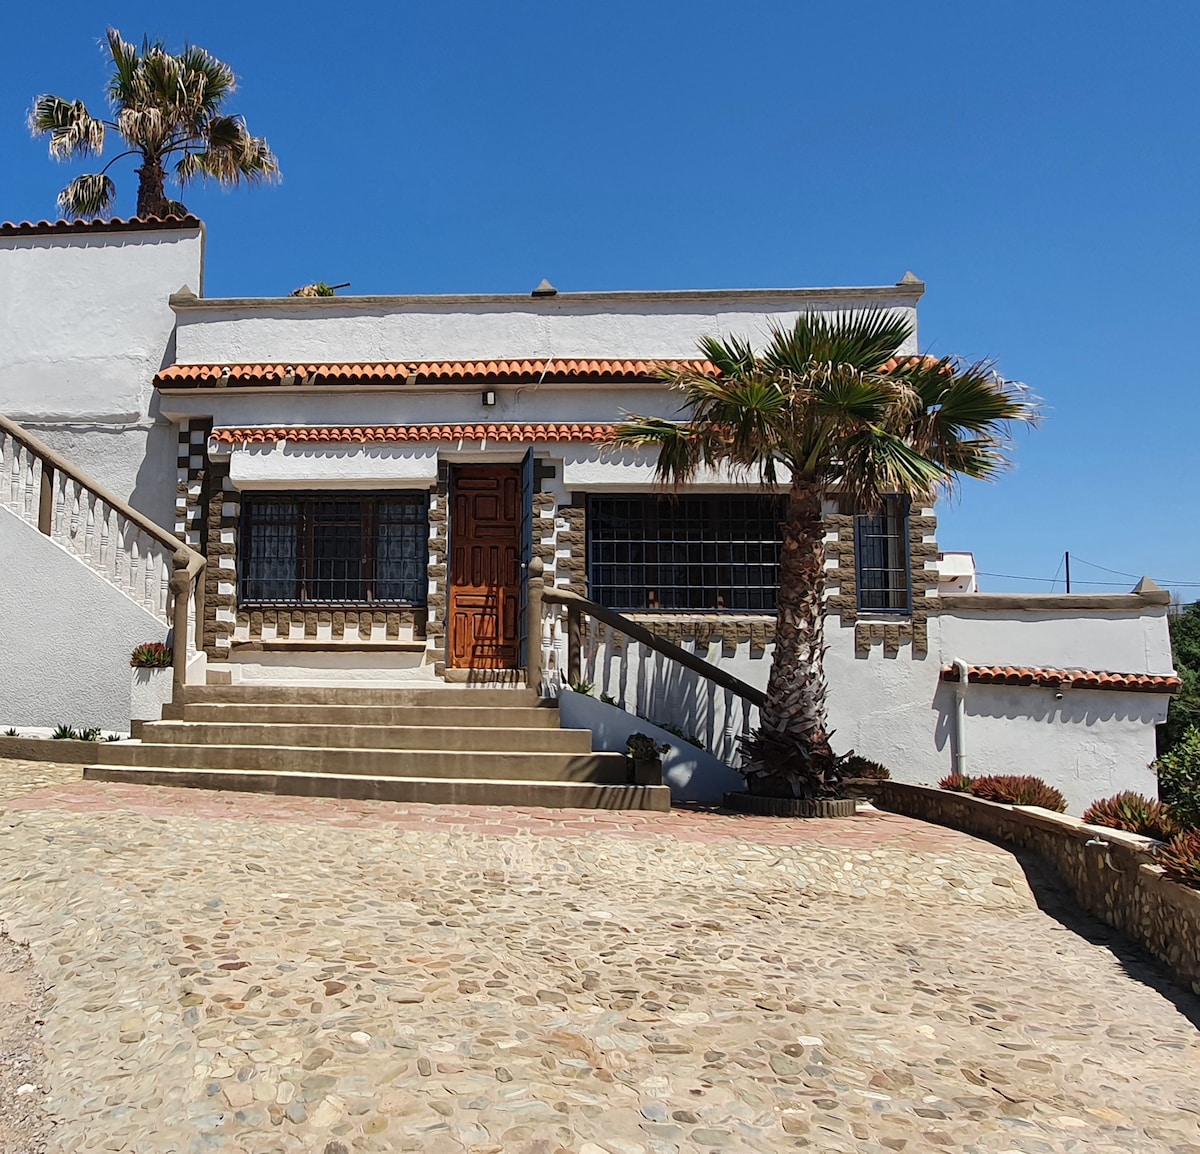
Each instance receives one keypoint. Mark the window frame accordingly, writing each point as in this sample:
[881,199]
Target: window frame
[647,497]
[306,557]
[903,511]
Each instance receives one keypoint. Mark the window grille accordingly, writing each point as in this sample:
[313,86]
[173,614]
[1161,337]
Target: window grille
[349,549]
[881,555]
[712,552]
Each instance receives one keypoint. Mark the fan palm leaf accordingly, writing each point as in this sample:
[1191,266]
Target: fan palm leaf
[832,407]
[168,108]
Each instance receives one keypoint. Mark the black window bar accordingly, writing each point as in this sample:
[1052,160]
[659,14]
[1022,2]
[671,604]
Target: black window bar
[349,549]
[881,552]
[710,553]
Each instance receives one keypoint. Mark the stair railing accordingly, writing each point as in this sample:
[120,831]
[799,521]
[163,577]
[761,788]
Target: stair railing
[128,550]
[578,608]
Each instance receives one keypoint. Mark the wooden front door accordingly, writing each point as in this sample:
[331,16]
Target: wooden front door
[485,569]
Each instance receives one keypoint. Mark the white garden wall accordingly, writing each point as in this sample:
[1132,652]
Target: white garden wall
[65,636]
[84,326]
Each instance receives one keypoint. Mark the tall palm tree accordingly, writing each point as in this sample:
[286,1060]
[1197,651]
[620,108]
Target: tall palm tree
[829,409]
[166,108]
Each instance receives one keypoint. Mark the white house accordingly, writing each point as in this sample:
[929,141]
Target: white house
[368,480]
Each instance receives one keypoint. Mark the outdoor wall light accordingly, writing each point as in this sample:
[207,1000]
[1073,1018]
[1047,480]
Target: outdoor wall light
[489,397]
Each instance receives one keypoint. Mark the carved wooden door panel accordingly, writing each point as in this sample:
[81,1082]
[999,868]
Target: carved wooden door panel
[485,577]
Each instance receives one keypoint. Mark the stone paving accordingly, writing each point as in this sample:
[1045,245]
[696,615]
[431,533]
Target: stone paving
[259,974]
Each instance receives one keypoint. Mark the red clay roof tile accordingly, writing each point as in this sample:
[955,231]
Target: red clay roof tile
[116,224]
[1064,678]
[398,373]
[593,434]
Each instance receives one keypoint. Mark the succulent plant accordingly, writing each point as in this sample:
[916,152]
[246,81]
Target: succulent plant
[958,782]
[1180,858]
[855,766]
[1014,789]
[1134,813]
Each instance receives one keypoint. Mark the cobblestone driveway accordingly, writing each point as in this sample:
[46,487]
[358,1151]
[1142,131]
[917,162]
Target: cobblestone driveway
[237,973]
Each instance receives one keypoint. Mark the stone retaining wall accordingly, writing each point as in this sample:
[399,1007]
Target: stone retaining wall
[1116,881]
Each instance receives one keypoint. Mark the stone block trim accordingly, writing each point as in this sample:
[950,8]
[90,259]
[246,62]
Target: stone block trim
[222,511]
[286,624]
[190,486]
[433,628]
[910,629]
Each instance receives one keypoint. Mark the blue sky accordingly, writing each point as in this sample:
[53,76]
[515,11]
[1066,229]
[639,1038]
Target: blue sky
[1037,164]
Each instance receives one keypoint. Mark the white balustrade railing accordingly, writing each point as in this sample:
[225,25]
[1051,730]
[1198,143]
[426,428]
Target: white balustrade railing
[125,548]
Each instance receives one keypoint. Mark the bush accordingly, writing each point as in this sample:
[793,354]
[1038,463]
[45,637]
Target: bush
[64,733]
[1133,813]
[1179,779]
[855,766]
[1180,858]
[151,655]
[643,747]
[959,782]
[1019,790]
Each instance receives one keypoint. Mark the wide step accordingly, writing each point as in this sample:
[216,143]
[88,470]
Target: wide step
[513,766]
[435,791]
[462,696]
[440,736]
[506,716]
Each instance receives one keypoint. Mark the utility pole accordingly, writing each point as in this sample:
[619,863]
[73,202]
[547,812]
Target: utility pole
[1067,559]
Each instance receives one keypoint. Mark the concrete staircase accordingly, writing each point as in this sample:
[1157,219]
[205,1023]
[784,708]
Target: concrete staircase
[449,745]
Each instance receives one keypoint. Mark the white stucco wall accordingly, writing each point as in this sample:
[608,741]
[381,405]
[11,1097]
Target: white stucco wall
[84,326]
[333,466]
[65,636]
[347,329]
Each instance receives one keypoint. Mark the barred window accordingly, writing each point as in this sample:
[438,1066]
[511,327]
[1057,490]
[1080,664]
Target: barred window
[881,558]
[348,549]
[709,552]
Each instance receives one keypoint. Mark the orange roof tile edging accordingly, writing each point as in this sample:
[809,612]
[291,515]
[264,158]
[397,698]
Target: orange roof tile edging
[594,434]
[410,372]
[113,224]
[1063,678]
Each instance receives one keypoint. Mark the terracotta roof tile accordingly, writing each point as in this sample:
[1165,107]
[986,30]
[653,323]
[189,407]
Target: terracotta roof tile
[593,434]
[1064,678]
[412,372]
[116,224]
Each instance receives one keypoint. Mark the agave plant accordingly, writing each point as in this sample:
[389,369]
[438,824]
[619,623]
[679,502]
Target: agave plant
[829,410]
[1013,789]
[958,782]
[1133,813]
[167,109]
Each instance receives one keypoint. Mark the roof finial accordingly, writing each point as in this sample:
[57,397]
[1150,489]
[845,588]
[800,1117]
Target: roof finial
[545,289]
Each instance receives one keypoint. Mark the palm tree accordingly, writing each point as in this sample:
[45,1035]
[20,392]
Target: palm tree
[829,409]
[164,107]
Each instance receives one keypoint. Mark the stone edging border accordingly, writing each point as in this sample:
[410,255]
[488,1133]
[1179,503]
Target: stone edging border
[65,752]
[1110,873]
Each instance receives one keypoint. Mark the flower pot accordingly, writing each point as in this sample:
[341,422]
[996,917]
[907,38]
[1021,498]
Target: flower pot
[149,691]
[789,806]
[645,771]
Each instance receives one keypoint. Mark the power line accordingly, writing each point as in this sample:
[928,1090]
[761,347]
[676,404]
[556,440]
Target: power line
[1052,580]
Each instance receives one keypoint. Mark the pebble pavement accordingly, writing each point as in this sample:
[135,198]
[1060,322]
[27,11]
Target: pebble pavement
[231,973]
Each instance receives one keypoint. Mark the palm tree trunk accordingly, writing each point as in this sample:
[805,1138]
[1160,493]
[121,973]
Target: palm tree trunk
[793,757]
[152,194]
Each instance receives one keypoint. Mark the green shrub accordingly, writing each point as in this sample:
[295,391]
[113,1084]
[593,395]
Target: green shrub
[675,731]
[642,747]
[584,687]
[1015,789]
[855,766]
[608,699]
[64,733]
[959,782]
[1179,779]
[11,733]
[1133,813]
[1180,858]
[151,655]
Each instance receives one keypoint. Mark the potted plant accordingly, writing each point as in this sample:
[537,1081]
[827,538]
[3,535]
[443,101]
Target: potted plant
[152,676]
[645,759]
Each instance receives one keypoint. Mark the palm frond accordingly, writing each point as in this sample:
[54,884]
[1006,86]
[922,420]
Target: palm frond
[73,131]
[122,90]
[864,339]
[231,155]
[89,195]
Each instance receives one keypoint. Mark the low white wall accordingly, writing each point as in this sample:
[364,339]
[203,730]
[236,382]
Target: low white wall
[333,466]
[590,325]
[693,774]
[65,636]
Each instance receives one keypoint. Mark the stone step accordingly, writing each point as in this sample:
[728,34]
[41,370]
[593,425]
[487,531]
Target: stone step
[436,791]
[516,717]
[434,695]
[436,735]
[417,763]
